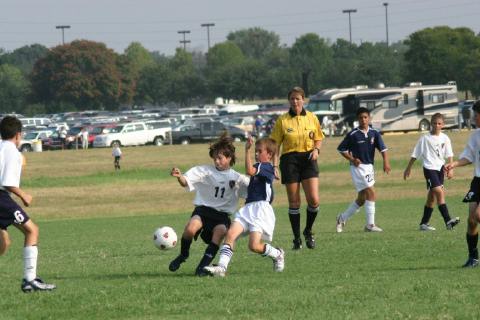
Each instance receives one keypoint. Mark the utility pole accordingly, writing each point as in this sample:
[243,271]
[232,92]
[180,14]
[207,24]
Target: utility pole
[350,11]
[386,18]
[63,32]
[208,25]
[184,41]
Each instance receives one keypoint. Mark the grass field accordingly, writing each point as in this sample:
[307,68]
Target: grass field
[96,230]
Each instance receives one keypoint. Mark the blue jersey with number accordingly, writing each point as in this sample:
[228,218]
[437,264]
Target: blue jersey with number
[362,145]
[260,186]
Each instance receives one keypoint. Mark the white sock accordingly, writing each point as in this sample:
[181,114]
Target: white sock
[271,252]
[351,210]
[370,212]
[226,254]
[30,255]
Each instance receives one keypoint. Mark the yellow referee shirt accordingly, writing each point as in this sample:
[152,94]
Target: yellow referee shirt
[297,133]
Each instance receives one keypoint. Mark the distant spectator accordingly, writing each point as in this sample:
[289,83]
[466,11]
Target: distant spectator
[62,134]
[258,126]
[84,136]
[467,117]
[117,155]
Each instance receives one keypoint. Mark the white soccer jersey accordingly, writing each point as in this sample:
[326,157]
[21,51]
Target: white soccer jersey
[433,150]
[10,165]
[472,151]
[216,189]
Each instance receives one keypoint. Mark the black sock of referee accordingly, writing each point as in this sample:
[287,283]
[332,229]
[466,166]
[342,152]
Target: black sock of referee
[311,216]
[427,214]
[444,212]
[294,216]
[472,241]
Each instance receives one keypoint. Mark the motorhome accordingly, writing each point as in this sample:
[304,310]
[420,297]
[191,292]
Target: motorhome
[391,108]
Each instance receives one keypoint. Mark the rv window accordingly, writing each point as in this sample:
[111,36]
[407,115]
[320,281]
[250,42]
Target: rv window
[326,105]
[405,99]
[438,98]
[370,105]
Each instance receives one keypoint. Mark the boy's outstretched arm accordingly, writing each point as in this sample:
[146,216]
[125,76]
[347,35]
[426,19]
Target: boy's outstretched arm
[25,197]
[459,163]
[249,168]
[178,174]
[386,163]
[408,169]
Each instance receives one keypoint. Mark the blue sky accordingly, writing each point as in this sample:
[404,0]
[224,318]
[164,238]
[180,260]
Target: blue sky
[155,23]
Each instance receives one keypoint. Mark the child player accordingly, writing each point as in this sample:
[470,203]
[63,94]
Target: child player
[217,188]
[257,217]
[10,212]
[358,147]
[471,154]
[117,155]
[433,148]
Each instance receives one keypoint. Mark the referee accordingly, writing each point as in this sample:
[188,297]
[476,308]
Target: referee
[299,134]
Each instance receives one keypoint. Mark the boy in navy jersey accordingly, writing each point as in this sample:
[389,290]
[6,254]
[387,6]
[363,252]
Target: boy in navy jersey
[358,147]
[257,217]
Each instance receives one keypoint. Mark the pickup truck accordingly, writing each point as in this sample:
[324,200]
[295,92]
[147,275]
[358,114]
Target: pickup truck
[31,137]
[206,131]
[132,134]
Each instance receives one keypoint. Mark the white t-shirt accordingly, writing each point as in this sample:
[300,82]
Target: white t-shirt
[216,189]
[472,151]
[10,165]
[116,152]
[433,150]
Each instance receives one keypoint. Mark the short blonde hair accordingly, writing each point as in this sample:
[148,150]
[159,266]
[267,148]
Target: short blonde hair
[269,143]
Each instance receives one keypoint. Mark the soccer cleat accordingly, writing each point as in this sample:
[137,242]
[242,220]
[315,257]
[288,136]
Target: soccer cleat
[309,239]
[175,264]
[426,227]
[340,224]
[297,244]
[36,284]
[216,271]
[279,262]
[200,272]
[452,223]
[471,263]
[372,228]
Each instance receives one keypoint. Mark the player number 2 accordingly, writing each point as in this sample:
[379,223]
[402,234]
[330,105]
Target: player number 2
[222,192]
[369,177]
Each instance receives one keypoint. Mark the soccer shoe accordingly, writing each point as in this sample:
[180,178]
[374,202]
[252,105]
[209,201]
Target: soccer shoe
[36,285]
[452,223]
[216,271]
[471,263]
[297,244]
[340,224]
[426,227]
[309,239]
[279,262]
[201,272]
[175,264]
[372,228]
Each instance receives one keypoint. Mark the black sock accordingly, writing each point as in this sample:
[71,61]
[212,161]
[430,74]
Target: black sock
[472,241]
[311,216]
[208,256]
[444,212]
[185,247]
[294,216]
[427,214]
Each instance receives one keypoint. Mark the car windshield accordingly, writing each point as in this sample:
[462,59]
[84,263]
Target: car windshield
[30,135]
[97,130]
[116,129]
[74,131]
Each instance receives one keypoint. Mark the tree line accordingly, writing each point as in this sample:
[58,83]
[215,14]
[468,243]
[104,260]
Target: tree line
[249,64]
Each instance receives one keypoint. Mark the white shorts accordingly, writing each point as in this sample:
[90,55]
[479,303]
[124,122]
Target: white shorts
[362,176]
[257,216]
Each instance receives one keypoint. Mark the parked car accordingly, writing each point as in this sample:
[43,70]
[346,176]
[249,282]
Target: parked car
[31,137]
[130,134]
[53,142]
[98,129]
[206,131]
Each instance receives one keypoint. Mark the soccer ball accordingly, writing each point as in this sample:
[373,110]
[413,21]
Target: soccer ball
[165,238]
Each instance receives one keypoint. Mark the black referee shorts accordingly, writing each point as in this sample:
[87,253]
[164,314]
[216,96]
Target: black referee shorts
[296,166]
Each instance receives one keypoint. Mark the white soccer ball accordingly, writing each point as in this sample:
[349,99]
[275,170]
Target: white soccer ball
[165,238]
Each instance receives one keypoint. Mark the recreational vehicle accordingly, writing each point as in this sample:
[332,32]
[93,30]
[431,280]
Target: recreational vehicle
[391,108]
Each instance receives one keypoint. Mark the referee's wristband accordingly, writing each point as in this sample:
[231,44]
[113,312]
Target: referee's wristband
[318,150]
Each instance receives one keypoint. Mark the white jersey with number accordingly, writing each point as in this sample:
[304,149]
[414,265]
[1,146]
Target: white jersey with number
[216,189]
[10,165]
[472,151]
[433,150]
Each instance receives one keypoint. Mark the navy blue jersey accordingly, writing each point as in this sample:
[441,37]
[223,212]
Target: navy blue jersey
[260,186]
[362,145]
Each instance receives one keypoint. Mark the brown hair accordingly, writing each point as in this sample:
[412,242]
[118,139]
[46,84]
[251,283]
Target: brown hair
[269,143]
[297,90]
[224,145]
[436,116]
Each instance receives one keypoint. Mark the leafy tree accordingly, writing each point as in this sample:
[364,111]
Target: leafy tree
[223,54]
[255,42]
[13,89]
[138,57]
[186,83]
[153,85]
[25,57]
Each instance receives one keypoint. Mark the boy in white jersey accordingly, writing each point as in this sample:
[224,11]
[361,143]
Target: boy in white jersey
[257,217]
[471,154]
[218,188]
[433,148]
[10,212]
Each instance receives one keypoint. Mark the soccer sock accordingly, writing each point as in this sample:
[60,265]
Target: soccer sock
[226,254]
[370,211]
[294,216]
[185,247]
[472,241]
[427,214]
[30,255]
[351,210]
[444,212]
[270,251]
[208,256]
[311,216]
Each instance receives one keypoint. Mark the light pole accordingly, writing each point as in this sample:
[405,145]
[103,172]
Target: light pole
[63,32]
[386,18]
[184,41]
[350,11]
[208,25]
